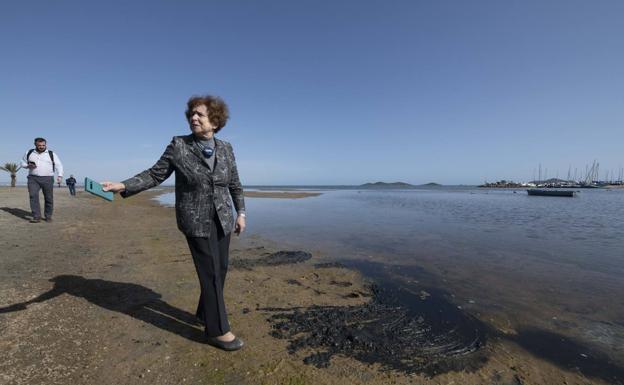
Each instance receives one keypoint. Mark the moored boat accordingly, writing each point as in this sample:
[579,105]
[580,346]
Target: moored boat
[551,193]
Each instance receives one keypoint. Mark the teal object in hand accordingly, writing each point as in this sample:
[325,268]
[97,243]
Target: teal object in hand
[96,189]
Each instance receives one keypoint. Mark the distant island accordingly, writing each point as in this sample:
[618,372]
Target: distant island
[395,185]
[387,185]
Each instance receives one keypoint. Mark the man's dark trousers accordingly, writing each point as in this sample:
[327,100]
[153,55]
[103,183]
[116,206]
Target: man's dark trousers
[72,188]
[45,183]
[210,256]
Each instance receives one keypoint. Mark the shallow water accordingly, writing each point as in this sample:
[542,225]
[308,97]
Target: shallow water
[545,264]
[586,230]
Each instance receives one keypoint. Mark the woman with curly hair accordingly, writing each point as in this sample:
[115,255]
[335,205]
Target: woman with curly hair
[206,187]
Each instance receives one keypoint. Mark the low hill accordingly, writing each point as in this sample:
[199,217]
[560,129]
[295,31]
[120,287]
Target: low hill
[387,185]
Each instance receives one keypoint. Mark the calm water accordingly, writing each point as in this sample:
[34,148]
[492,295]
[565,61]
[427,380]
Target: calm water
[545,264]
[587,230]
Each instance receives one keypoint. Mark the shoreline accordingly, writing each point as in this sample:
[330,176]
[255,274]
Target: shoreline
[163,198]
[281,194]
[124,290]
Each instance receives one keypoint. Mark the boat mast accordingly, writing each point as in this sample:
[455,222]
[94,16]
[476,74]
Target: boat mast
[569,172]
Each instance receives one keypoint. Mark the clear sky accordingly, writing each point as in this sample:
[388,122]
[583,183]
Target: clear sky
[320,92]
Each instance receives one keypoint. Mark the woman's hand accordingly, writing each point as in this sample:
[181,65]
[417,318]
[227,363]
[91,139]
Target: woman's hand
[239,227]
[115,187]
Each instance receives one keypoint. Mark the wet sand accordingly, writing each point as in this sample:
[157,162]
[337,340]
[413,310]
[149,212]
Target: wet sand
[106,294]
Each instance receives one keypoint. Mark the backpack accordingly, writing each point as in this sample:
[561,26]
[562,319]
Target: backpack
[49,152]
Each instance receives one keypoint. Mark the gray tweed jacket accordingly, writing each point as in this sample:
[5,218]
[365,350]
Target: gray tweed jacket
[195,184]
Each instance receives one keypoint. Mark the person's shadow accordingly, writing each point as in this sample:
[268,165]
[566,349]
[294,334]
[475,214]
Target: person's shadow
[23,214]
[134,300]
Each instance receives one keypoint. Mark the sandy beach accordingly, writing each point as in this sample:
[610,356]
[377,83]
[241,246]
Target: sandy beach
[106,294]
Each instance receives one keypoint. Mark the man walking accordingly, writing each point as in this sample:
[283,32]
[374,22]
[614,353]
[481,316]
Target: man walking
[42,164]
[71,184]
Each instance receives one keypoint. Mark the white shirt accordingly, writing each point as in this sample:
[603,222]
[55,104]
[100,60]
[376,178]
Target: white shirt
[44,164]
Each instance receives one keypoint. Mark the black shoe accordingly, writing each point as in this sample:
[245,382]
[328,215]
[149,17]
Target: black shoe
[229,346]
[48,219]
[35,220]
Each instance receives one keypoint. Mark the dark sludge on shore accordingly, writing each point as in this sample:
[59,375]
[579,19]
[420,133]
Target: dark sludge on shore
[329,265]
[272,259]
[396,329]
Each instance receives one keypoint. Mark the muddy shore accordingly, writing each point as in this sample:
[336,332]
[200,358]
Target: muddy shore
[105,294]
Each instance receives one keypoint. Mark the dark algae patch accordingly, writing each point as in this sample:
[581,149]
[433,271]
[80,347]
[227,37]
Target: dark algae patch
[570,354]
[395,329]
[327,265]
[411,325]
[273,259]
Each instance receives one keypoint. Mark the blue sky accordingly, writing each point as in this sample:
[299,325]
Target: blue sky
[321,92]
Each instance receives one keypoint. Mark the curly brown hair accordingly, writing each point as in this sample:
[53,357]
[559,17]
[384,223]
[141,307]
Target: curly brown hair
[218,111]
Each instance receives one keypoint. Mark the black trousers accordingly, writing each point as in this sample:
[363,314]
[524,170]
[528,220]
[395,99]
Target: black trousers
[210,256]
[45,183]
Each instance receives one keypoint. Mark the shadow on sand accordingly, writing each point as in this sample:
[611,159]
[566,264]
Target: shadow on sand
[134,300]
[22,214]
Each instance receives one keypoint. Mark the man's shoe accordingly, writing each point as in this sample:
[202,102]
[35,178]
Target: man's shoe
[229,346]
[48,219]
[35,220]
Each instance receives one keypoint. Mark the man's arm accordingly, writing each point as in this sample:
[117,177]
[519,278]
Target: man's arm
[24,161]
[58,165]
